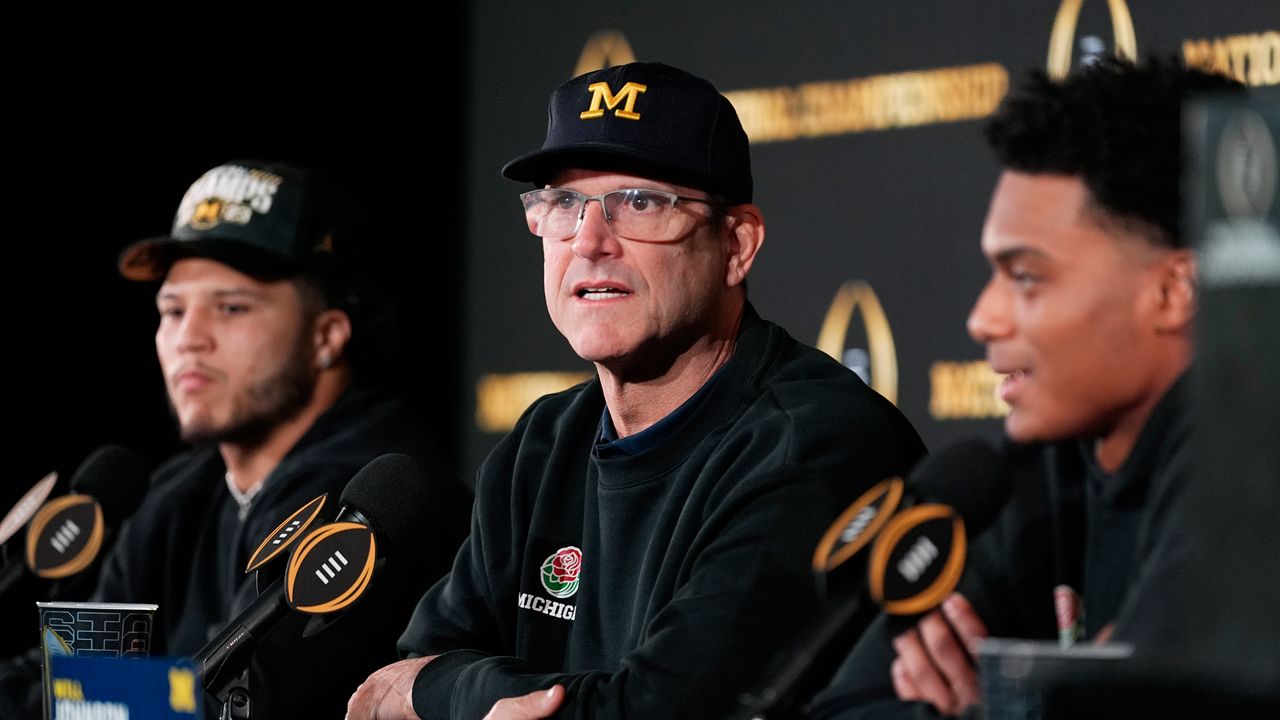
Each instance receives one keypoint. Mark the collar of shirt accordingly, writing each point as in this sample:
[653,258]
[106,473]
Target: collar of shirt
[608,444]
[243,499]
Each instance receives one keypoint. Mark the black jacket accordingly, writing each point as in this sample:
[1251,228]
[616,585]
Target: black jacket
[1101,539]
[185,550]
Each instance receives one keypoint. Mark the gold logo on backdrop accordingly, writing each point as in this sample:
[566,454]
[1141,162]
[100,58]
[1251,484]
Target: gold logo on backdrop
[965,391]
[880,354]
[600,92]
[1253,59]
[1064,33]
[876,102]
[604,49]
[501,399]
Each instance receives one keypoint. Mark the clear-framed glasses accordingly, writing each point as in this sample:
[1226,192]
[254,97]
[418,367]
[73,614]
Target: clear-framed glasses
[633,213]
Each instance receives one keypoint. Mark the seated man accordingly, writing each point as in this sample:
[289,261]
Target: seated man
[644,539]
[1089,314]
[260,348]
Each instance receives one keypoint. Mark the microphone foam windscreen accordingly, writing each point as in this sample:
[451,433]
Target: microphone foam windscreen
[116,477]
[394,493]
[971,476]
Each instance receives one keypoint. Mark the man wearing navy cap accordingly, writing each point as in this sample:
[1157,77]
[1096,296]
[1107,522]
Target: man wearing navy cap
[643,540]
[260,345]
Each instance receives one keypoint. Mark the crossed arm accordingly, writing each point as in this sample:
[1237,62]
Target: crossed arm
[388,695]
[721,626]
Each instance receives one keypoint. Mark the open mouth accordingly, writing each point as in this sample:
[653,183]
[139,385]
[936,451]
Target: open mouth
[601,293]
[1009,386]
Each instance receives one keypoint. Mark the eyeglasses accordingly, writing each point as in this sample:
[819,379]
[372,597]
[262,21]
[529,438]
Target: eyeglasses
[633,213]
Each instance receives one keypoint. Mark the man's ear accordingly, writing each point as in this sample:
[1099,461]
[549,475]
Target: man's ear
[1176,278]
[332,333]
[745,236]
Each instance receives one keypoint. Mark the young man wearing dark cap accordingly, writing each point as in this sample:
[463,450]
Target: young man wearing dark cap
[258,327]
[1089,314]
[643,540]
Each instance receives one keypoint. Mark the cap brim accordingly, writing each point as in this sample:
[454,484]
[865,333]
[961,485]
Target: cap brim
[150,260]
[540,166]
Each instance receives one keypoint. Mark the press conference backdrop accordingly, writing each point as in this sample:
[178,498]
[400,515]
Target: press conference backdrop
[869,164]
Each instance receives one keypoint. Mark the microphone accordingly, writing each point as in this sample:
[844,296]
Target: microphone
[265,561]
[26,506]
[67,534]
[919,556]
[971,479]
[383,508]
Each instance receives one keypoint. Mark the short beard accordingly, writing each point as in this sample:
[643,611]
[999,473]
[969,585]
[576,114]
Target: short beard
[263,407]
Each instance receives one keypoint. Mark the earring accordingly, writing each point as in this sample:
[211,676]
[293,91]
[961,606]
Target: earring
[326,361]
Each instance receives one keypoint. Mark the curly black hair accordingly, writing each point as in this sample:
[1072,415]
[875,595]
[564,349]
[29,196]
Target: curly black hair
[1114,124]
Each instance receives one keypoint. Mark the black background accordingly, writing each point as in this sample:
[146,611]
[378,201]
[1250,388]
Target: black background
[110,118]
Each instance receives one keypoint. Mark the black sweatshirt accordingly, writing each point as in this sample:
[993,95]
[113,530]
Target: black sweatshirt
[185,549]
[654,584]
[1098,538]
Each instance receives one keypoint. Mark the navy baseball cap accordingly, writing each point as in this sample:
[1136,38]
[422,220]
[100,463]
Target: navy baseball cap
[265,219]
[648,119]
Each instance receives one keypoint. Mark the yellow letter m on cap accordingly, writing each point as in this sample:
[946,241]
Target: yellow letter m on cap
[600,93]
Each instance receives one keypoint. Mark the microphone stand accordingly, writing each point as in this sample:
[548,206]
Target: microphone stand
[237,703]
[233,649]
[776,698]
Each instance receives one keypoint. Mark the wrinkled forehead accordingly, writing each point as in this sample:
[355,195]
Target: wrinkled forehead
[652,173]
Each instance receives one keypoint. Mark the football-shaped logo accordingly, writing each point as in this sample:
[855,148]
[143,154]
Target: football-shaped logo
[918,559]
[64,536]
[25,508]
[286,533]
[330,568]
[858,525]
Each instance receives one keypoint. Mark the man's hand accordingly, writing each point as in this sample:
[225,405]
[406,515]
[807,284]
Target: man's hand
[534,706]
[934,662]
[388,693]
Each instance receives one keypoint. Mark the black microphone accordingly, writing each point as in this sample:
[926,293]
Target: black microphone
[971,478]
[919,556]
[267,561]
[68,533]
[384,508]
